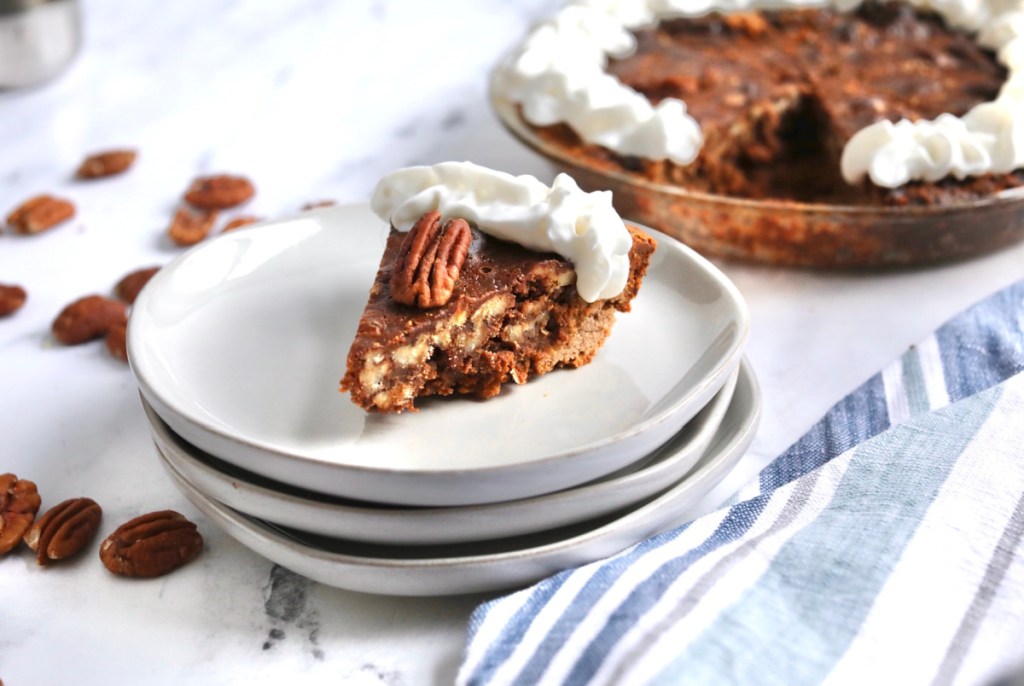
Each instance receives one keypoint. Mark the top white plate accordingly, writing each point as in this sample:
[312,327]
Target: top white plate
[239,345]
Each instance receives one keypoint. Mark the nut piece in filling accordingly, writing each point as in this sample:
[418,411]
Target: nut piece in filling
[505,314]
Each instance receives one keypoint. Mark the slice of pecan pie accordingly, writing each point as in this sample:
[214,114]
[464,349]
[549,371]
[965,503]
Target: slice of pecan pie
[453,310]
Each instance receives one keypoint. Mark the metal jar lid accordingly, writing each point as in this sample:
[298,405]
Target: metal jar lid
[38,39]
[19,6]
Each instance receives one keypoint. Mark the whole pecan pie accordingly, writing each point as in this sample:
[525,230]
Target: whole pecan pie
[780,95]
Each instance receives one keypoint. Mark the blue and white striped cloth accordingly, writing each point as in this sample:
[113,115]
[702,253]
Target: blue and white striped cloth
[884,547]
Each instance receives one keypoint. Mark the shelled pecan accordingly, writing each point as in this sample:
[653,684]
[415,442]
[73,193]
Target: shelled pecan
[40,213]
[19,503]
[64,530]
[116,341]
[239,222]
[189,227]
[12,297]
[88,318]
[128,288]
[317,204]
[151,545]
[219,192]
[429,261]
[106,163]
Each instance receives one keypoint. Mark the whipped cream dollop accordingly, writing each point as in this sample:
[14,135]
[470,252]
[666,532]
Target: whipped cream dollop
[558,75]
[582,227]
[987,139]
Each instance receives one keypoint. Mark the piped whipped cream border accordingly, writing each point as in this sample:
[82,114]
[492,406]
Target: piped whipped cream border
[582,227]
[558,75]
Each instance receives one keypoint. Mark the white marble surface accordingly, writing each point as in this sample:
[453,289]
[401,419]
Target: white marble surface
[311,100]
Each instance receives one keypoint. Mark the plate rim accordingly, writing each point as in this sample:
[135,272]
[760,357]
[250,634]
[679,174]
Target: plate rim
[727,458]
[413,519]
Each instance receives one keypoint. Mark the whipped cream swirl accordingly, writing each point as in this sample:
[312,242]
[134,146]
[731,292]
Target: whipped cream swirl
[582,227]
[558,75]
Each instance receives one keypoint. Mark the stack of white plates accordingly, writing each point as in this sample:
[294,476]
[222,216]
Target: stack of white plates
[238,346]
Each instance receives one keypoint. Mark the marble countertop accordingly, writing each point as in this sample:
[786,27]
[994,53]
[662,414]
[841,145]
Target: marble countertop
[311,100]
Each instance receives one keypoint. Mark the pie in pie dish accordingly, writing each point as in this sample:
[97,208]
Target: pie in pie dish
[488,279]
[876,104]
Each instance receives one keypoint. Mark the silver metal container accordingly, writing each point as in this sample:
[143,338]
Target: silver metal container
[38,39]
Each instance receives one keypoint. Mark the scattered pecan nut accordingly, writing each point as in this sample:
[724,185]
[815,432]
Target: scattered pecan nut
[219,192]
[239,222]
[64,530]
[117,342]
[151,545]
[128,288]
[429,260]
[106,163]
[188,227]
[11,298]
[19,503]
[317,204]
[88,318]
[40,213]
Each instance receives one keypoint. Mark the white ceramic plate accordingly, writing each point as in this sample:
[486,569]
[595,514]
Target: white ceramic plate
[239,344]
[493,565]
[340,518]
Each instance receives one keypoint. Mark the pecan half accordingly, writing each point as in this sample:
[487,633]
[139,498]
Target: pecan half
[64,530]
[40,213]
[19,503]
[188,227]
[117,342]
[88,318]
[128,288]
[429,261]
[11,298]
[219,192]
[106,163]
[151,545]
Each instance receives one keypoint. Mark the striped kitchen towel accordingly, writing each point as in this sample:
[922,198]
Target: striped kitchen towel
[884,547]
